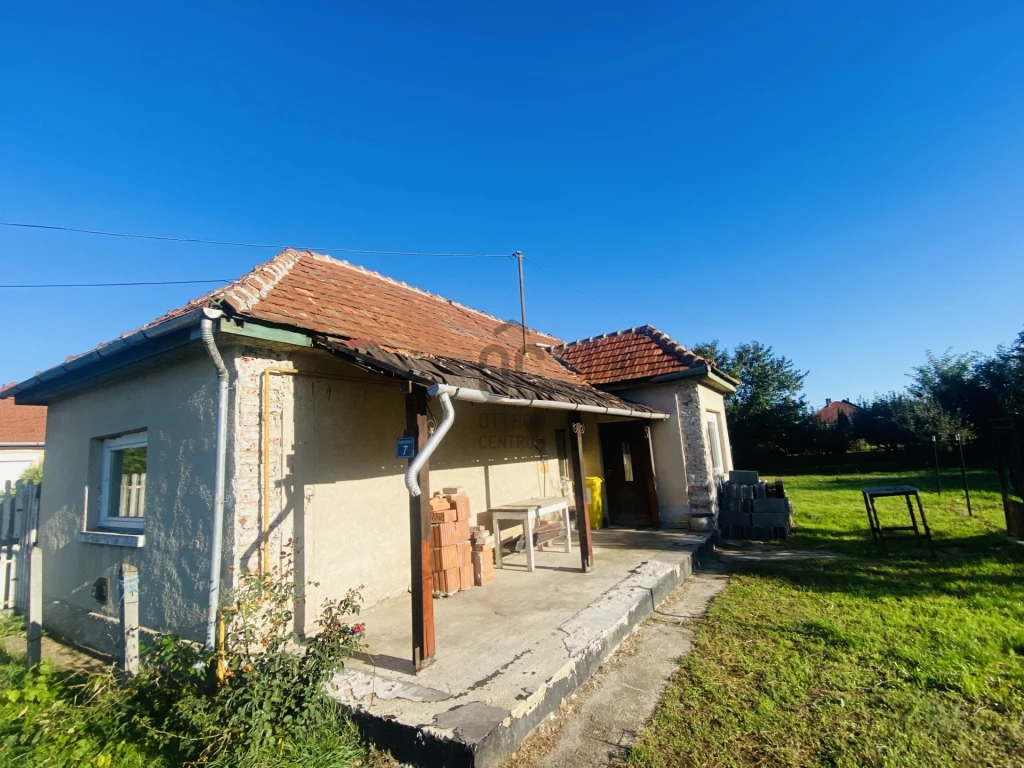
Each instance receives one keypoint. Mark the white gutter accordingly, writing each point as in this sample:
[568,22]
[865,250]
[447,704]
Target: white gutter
[478,396]
[447,419]
[217,543]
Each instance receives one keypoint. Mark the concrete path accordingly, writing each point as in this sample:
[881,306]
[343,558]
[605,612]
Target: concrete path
[597,725]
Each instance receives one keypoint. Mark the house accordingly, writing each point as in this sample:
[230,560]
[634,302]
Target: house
[262,420]
[833,408]
[690,449]
[22,439]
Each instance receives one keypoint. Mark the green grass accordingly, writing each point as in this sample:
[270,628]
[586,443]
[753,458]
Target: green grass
[865,660]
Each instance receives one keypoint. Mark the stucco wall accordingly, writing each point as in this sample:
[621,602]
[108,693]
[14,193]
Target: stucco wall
[669,455]
[337,488]
[177,407]
[682,455]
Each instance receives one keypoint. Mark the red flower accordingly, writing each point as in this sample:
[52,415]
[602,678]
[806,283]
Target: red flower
[358,628]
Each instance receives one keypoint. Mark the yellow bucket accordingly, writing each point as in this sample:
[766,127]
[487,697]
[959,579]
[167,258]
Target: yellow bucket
[593,490]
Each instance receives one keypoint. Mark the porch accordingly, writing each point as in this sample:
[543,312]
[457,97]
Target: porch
[513,650]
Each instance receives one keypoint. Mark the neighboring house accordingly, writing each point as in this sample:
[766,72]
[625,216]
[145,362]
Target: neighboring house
[22,439]
[690,449]
[830,413]
[326,364]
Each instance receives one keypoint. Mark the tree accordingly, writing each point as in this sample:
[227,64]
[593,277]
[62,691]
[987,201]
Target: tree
[1003,376]
[33,473]
[767,414]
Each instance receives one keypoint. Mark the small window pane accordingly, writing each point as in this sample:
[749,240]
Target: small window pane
[563,454]
[715,444]
[627,462]
[127,483]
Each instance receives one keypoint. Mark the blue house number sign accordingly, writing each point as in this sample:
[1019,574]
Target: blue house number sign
[406,448]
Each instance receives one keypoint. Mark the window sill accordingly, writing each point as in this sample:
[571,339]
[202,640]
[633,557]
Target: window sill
[133,540]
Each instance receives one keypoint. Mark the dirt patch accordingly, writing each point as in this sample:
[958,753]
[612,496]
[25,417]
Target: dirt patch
[61,656]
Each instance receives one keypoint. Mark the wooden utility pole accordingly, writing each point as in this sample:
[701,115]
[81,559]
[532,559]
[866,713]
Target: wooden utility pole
[421,556]
[522,299]
[582,512]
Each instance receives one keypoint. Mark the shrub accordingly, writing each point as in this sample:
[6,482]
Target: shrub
[272,690]
[269,708]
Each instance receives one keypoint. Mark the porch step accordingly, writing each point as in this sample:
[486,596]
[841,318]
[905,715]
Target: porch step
[444,725]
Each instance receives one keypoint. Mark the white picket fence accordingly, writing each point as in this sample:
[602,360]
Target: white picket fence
[19,521]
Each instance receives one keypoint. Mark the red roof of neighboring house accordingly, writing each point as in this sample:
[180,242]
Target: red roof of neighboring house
[636,353]
[22,423]
[830,413]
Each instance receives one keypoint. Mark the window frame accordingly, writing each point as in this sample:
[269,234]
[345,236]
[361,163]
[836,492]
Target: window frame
[715,446]
[109,445]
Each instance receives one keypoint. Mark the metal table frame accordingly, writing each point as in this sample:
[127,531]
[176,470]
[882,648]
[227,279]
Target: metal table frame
[524,512]
[878,531]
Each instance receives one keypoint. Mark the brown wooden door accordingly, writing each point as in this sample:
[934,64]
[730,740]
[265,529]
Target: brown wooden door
[628,474]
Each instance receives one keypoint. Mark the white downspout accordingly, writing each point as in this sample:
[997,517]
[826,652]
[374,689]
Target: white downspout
[447,419]
[217,544]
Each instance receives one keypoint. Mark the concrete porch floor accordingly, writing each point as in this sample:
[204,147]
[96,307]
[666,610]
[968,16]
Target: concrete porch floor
[509,653]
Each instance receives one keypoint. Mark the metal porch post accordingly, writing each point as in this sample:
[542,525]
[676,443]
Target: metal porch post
[582,513]
[421,579]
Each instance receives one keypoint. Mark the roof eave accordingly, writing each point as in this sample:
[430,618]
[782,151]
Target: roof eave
[42,387]
[717,381]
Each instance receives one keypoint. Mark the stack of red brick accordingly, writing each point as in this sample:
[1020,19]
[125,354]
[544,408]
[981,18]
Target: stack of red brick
[453,563]
[483,555]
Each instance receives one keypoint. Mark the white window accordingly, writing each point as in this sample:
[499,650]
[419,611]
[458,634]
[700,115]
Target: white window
[123,483]
[715,443]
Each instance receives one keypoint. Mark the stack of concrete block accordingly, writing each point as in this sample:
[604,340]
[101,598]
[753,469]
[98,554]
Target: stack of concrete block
[449,530]
[483,555]
[750,508]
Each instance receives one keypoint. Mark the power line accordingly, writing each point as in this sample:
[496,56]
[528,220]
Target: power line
[110,285]
[581,293]
[236,244]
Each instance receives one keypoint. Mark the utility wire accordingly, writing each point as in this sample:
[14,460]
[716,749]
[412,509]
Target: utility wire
[581,293]
[248,245]
[56,228]
[109,285]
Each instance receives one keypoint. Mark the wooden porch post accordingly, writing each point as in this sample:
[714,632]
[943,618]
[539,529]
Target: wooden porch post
[422,580]
[582,513]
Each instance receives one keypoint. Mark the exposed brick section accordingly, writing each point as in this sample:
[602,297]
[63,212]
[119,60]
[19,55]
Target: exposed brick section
[700,476]
[22,423]
[245,506]
[636,353]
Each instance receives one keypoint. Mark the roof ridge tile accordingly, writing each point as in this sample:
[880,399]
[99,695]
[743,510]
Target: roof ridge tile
[437,297]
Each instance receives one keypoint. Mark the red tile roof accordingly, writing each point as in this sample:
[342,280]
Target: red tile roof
[830,413]
[635,353]
[323,295]
[22,423]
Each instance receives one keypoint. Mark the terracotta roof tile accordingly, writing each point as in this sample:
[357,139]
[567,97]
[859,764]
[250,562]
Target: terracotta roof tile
[830,413]
[334,298]
[22,423]
[635,353]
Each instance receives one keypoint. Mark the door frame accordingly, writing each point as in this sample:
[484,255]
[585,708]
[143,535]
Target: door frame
[652,485]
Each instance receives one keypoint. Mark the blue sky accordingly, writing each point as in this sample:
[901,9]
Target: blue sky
[843,181]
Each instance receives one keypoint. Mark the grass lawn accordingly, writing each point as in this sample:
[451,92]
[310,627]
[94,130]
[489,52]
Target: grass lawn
[865,660]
